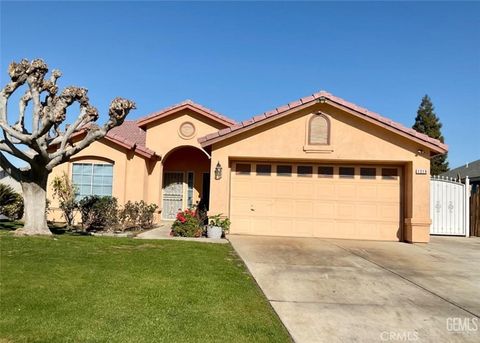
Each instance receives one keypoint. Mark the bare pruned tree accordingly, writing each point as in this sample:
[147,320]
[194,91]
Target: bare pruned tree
[45,145]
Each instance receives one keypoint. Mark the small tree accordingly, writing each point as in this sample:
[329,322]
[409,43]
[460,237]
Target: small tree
[43,144]
[428,123]
[65,191]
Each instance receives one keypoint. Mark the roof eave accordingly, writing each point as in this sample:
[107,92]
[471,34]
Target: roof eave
[142,122]
[322,97]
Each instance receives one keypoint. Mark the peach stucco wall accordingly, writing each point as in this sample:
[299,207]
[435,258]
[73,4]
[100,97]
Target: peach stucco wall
[353,140]
[130,176]
[164,138]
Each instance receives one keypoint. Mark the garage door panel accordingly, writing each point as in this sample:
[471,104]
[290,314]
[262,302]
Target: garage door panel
[345,191]
[261,207]
[323,209]
[282,226]
[388,212]
[367,192]
[367,211]
[243,187]
[324,190]
[346,211]
[265,223]
[242,225]
[324,228]
[284,207]
[332,207]
[261,188]
[389,192]
[242,206]
[284,189]
[303,208]
[303,190]
[303,227]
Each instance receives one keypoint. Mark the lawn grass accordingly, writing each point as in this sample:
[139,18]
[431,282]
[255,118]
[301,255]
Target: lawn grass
[98,289]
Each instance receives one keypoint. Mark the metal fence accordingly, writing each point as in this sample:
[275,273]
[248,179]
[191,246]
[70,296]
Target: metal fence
[449,207]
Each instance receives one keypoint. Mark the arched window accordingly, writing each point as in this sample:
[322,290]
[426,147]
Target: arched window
[319,130]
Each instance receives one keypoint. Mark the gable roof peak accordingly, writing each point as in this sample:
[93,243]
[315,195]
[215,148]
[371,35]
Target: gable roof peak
[188,103]
[324,96]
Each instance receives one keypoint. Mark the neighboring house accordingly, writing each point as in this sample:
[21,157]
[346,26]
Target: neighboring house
[9,181]
[317,167]
[472,170]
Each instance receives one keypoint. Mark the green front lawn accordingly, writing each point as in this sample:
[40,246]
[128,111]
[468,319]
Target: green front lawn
[91,289]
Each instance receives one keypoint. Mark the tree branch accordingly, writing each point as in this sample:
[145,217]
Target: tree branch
[10,168]
[119,108]
[18,76]
[7,146]
[47,115]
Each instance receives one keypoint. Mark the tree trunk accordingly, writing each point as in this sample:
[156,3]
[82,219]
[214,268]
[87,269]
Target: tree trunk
[35,206]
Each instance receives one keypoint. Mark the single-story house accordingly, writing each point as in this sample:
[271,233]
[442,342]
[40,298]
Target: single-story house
[316,167]
[472,170]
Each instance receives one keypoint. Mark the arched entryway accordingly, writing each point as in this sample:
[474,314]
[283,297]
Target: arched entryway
[186,180]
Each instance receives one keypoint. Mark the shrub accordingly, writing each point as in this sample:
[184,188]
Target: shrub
[65,191]
[11,203]
[99,213]
[187,224]
[137,215]
[7,195]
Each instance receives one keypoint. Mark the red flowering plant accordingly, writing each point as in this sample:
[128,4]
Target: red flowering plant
[187,224]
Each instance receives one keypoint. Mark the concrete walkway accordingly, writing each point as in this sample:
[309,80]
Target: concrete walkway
[163,232]
[360,291]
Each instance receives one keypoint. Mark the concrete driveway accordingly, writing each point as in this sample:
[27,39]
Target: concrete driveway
[360,291]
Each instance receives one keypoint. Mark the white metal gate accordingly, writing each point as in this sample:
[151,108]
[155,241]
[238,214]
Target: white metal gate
[449,207]
[172,195]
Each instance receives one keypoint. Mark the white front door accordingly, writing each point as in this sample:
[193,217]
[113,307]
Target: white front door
[172,194]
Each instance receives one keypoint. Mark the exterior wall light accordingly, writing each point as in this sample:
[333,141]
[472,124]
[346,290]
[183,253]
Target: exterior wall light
[218,171]
[322,100]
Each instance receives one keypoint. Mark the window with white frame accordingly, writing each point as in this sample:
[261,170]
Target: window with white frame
[93,179]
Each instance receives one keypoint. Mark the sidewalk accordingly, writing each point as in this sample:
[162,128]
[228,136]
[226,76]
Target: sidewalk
[163,232]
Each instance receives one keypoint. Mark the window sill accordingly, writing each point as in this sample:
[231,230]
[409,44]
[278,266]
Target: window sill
[321,149]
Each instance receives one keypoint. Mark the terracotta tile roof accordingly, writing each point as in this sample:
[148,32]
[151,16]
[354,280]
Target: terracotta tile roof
[127,135]
[129,129]
[308,100]
[186,104]
[130,136]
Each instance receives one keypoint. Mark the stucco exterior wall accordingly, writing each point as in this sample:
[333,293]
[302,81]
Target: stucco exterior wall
[130,175]
[164,138]
[352,140]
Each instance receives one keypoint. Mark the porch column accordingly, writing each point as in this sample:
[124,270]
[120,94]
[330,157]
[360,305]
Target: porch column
[219,189]
[417,201]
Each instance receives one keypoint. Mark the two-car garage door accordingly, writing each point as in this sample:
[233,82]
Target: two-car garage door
[313,200]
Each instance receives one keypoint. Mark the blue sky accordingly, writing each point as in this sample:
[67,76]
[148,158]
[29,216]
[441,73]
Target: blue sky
[242,59]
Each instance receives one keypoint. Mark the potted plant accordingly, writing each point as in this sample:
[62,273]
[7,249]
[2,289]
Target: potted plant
[218,226]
